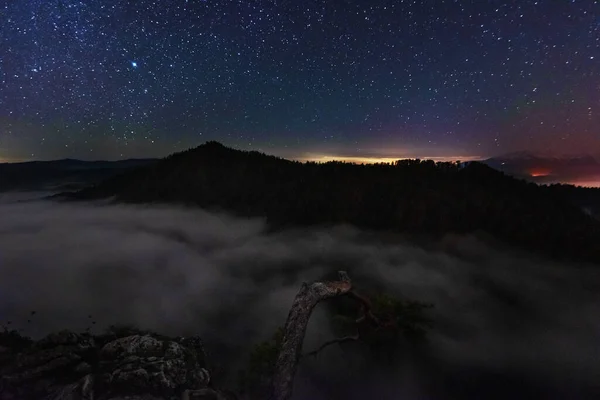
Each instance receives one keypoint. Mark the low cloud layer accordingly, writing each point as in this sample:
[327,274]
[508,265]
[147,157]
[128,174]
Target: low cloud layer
[501,318]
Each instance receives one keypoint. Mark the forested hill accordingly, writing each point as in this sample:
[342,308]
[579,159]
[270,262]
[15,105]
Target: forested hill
[409,196]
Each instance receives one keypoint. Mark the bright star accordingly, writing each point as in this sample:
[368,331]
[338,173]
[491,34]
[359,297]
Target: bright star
[134,64]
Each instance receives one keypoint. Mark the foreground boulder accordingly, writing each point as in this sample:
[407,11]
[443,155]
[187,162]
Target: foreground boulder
[129,365]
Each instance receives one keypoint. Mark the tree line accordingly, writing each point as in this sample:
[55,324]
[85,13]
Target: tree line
[420,197]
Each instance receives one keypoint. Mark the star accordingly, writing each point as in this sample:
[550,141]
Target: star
[399,77]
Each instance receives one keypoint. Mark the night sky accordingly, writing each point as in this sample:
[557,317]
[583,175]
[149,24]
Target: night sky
[107,79]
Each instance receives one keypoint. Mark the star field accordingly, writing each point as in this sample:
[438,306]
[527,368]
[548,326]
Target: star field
[111,79]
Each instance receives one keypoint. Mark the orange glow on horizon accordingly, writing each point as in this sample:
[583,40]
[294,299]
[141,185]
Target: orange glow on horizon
[323,158]
[9,160]
[595,183]
[540,172]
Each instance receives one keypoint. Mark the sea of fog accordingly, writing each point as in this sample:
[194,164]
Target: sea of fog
[507,325]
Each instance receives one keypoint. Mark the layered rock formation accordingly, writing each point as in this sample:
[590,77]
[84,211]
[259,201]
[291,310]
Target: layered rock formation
[129,365]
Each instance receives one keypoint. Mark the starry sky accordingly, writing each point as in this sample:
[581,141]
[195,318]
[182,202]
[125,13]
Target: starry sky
[109,79]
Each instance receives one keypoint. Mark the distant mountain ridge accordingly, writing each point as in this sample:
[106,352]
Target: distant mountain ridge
[525,155]
[526,158]
[409,196]
[73,162]
[580,170]
[61,174]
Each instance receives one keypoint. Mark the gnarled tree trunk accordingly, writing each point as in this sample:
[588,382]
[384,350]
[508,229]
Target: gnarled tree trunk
[295,330]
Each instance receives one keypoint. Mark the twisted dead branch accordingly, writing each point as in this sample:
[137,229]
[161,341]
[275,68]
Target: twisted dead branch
[297,322]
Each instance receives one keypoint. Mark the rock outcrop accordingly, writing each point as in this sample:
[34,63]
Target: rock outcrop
[129,365]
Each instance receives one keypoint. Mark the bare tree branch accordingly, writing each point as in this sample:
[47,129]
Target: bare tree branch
[295,330]
[341,340]
[365,315]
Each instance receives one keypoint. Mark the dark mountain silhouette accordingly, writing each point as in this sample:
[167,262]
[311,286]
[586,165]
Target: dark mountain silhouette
[408,196]
[61,174]
[555,172]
